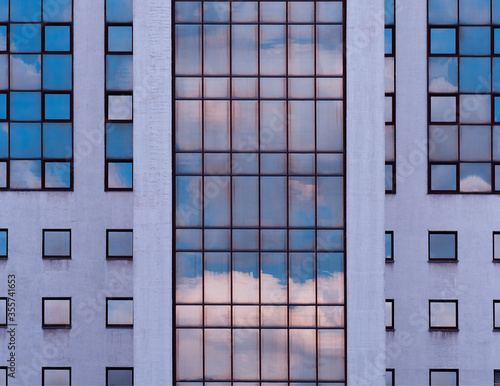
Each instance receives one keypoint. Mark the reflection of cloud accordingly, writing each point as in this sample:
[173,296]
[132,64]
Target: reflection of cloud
[57,175]
[118,177]
[441,85]
[474,183]
[57,311]
[25,74]
[25,174]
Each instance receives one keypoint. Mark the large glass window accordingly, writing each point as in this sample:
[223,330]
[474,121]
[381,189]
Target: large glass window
[443,314]
[464,74]
[119,87]
[390,96]
[259,187]
[36,92]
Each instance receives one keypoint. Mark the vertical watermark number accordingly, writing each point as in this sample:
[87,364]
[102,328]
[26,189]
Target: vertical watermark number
[11,324]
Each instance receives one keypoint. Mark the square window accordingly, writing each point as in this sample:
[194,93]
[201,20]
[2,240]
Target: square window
[56,312]
[496,247]
[475,40]
[25,140]
[389,314]
[57,72]
[475,143]
[119,175]
[388,32]
[119,376]
[120,107]
[443,12]
[120,38]
[443,314]
[329,12]
[57,140]
[119,72]
[443,109]
[119,141]
[57,38]
[443,377]
[389,246]
[475,108]
[4,246]
[442,245]
[56,376]
[119,11]
[475,177]
[389,377]
[25,72]
[443,41]
[3,106]
[443,143]
[119,312]
[25,37]
[475,75]
[62,13]
[496,314]
[57,175]
[474,11]
[443,75]
[3,38]
[57,243]
[25,10]
[3,312]
[57,106]
[25,175]
[444,178]
[25,106]
[120,243]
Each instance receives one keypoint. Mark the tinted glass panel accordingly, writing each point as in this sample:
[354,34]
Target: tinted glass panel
[120,243]
[120,312]
[120,377]
[57,243]
[57,312]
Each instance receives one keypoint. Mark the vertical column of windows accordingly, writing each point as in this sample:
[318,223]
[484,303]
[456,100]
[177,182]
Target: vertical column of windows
[390,97]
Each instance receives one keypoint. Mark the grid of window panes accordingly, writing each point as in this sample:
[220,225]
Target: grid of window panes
[259,185]
[390,97]
[464,101]
[119,106]
[36,92]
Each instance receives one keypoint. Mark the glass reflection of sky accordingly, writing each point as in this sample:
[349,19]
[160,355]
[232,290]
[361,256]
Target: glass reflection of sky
[119,140]
[443,314]
[443,40]
[120,38]
[25,140]
[3,106]
[25,106]
[119,11]
[59,12]
[25,72]
[475,177]
[122,377]
[4,10]
[442,246]
[475,143]
[475,75]
[57,72]
[3,243]
[497,314]
[443,11]
[475,11]
[443,74]
[120,311]
[388,314]
[444,378]
[3,174]
[57,106]
[56,312]
[120,175]
[443,177]
[4,72]
[25,10]
[56,243]
[388,41]
[57,175]
[120,243]
[3,38]
[475,40]
[57,140]
[57,38]
[25,37]
[388,246]
[3,311]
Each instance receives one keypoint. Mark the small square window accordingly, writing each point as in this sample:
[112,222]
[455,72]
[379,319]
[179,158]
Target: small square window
[443,314]
[496,314]
[496,378]
[25,37]
[119,312]
[3,313]
[389,246]
[120,244]
[443,246]
[57,106]
[57,175]
[119,11]
[120,38]
[57,243]
[390,377]
[4,246]
[3,38]
[120,107]
[24,106]
[25,174]
[56,376]
[56,312]
[443,109]
[119,175]
[119,376]
[444,178]
[57,38]
[443,377]
[389,314]
[443,41]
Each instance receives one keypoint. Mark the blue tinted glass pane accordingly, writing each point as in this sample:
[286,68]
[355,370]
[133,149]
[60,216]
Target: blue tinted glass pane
[57,72]
[4,140]
[119,72]
[25,38]
[388,246]
[497,177]
[443,74]
[60,10]
[3,106]
[442,246]
[120,175]
[57,175]
[25,10]
[443,41]
[475,74]
[388,41]
[443,177]
[57,38]
[474,40]
[57,140]
[3,38]
[119,139]
[25,174]
[4,72]
[3,174]
[57,106]
[496,74]
[188,11]
[3,243]
[497,109]
[119,11]
[475,177]
[495,16]
[389,12]
[4,10]
[25,140]
[389,177]
[496,40]
[120,377]
[25,72]
[25,106]
[120,39]
[475,11]
[443,12]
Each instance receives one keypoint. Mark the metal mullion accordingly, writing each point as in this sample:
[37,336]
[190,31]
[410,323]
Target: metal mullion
[202,41]
[287,192]
[316,195]
[259,186]
[231,186]
[344,76]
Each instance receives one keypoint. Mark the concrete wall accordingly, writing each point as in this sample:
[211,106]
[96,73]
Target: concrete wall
[365,193]
[412,350]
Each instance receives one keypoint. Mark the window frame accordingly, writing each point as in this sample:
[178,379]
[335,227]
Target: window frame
[456,327]
[55,368]
[391,326]
[496,371]
[6,312]
[443,371]
[434,260]
[6,374]
[494,259]
[112,257]
[57,326]
[391,260]
[108,325]
[393,375]
[495,327]
[55,257]
[119,368]
[6,256]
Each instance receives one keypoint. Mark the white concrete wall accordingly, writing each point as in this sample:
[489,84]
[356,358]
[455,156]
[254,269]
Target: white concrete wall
[153,193]
[412,350]
[88,347]
[365,193]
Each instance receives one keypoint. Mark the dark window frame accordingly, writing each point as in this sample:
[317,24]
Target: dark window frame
[6,374]
[6,256]
[119,368]
[108,325]
[57,326]
[392,164]
[55,257]
[456,327]
[6,312]
[494,259]
[391,260]
[391,326]
[393,375]
[431,260]
[443,371]
[495,327]
[496,371]
[112,257]
[55,368]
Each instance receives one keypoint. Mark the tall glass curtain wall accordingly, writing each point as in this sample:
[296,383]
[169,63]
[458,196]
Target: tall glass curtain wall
[390,97]
[119,87]
[259,185]
[464,99]
[36,92]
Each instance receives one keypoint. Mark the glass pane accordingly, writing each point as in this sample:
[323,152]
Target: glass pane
[443,12]
[389,143]
[329,58]
[218,163]
[389,75]
[188,196]
[3,38]
[443,177]
[443,74]
[273,278]
[302,278]
[475,75]
[119,11]
[329,126]
[330,199]
[274,356]
[4,14]
[57,38]
[388,378]
[121,377]
[330,163]
[475,143]
[273,239]
[216,11]
[25,72]
[120,312]
[272,50]
[57,140]
[443,143]
[25,37]
[120,107]
[3,243]
[273,88]
[475,40]
[245,201]
[245,354]
[301,127]
[120,244]
[444,378]
[188,49]
[443,40]
[3,174]
[25,174]
[120,38]
[330,277]
[188,87]
[188,163]
[188,277]
[3,106]
[388,246]
[475,177]
[389,109]
[216,120]
[189,316]
[475,108]
[329,88]
[388,314]
[58,106]
[300,50]
[331,316]
[217,239]
[443,109]
[4,72]
[442,246]
[188,239]
[389,11]
[244,50]
[302,163]
[497,325]
[119,140]
[301,206]
[388,41]
[330,240]
[302,316]
[331,356]
[120,175]
[4,140]
[189,351]
[217,201]
[57,72]
[474,11]
[272,12]
[217,354]
[245,87]
[329,12]
[245,239]
[188,125]
[245,277]
[443,314]
[216,50]
[302,88]
[302,354]
[57,175]
[25,140]
[56,243]
[217,286]
[300,12]
[216,88]
[245,163]
[59,377]
[389,177]
[56,312]
[217,316]
[60,13]
[245,122]
[273,120]
[188,11]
